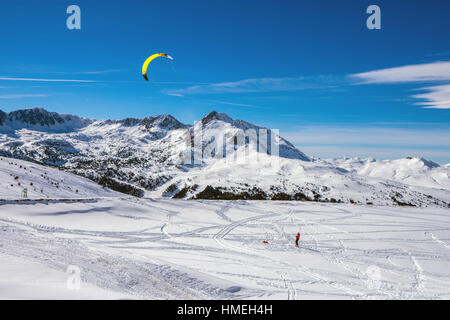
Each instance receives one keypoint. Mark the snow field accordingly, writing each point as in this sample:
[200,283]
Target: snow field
[178,249]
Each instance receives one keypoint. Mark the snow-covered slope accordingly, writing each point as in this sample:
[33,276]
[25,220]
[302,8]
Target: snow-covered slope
[412,171]
[23,279]
[45,183]
[268,177]
[219,124]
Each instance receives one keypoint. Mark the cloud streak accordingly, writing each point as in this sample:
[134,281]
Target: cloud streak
[235,104]
[436,71]
[257,85]
[90,72]
[436,97]
[20,96]
[43,80]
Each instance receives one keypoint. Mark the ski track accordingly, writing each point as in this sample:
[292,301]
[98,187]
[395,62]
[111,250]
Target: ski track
[121,274]
[292,293]
[437,240]
[337,257]
[419,284]
[227,229]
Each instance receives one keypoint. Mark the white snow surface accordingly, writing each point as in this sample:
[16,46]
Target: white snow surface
[44,182]
[413,171]
[359,181]
[184,249]
[24,279]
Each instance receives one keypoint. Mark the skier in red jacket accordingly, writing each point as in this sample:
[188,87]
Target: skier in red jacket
[297,238]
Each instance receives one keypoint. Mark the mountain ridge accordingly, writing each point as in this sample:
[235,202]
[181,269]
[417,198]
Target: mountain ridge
[154,157]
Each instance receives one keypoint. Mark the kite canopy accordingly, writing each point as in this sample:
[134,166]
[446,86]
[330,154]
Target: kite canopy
[150,59]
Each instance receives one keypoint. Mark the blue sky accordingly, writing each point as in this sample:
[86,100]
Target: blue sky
[309,68]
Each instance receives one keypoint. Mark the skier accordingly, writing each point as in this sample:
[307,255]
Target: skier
[297,238]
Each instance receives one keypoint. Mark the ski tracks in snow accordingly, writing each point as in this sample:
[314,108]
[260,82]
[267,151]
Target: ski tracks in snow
[292,293]
[219,237]
[437,240]
[118,273]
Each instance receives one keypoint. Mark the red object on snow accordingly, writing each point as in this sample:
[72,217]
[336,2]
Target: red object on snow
[265,241]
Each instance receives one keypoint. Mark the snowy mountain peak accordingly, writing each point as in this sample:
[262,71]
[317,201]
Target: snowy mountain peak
[214,115]
[162,121]
[425,163]
[130,122]
[40,119]
[217,124]
[36,116]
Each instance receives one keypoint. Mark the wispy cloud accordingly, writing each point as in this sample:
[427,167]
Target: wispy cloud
[43,80]
[437,97]
[258,85]
[91,72]
[436,71]
[20,96]
[235,104]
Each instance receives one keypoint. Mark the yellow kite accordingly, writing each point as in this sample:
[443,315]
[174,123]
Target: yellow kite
[149,59]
